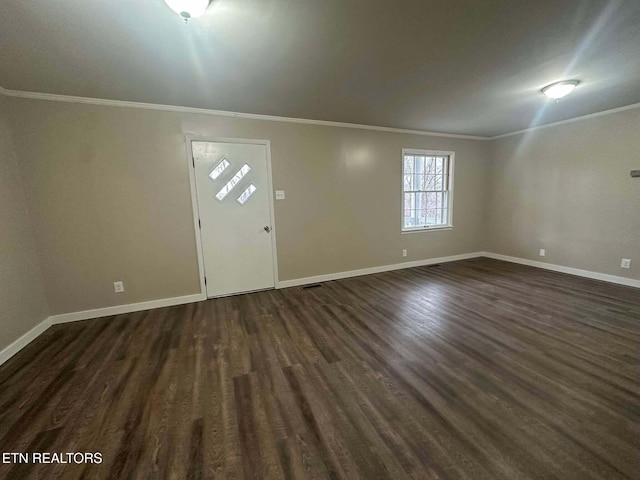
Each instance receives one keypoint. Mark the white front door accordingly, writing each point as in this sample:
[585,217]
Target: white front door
[233,193]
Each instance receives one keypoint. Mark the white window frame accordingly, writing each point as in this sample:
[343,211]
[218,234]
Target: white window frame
[431,153]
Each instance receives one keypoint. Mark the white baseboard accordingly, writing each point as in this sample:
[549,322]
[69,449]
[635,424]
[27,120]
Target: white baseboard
[10,350]
[368,271]
[630,282]
[25,339]
[120,309]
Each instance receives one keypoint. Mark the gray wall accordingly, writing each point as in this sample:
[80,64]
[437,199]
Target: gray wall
[107,191]
[110,190]
[23,304]
[567,189]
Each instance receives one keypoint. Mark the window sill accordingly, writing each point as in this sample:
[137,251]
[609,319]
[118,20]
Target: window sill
[428,229]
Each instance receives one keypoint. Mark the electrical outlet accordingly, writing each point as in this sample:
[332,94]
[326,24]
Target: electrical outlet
[543,252]
[404,252]
[279,194]
[626,263]
[118,287]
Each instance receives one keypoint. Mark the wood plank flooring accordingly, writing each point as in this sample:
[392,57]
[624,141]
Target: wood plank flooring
[478,369]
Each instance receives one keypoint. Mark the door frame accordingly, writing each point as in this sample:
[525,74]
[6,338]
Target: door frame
[196,208]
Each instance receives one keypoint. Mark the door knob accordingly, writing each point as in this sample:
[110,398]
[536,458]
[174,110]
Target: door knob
[267,229]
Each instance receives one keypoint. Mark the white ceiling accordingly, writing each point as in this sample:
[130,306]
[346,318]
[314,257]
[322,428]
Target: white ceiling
[456,66]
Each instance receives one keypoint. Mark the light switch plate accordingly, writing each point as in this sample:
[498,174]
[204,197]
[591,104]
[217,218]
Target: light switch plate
[279,194]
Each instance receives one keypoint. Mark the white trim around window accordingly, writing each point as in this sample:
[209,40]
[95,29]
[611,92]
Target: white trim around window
[426,190]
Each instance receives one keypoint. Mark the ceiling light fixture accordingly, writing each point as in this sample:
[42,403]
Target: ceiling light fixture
[188,8]
[560,89]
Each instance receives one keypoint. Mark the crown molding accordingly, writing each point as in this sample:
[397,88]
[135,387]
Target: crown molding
[569,120]
[222,113]
[305,121]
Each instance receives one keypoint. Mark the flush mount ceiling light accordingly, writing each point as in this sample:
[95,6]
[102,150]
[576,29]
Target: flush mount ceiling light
[188,8]
[560,89]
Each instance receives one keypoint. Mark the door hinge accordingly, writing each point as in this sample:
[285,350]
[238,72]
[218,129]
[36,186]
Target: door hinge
[193,162]
[199,224]
[205,280]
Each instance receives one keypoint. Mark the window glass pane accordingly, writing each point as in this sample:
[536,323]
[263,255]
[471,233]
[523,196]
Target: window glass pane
[407,182]
[407,203]
[217,171]
[409,219]
[445,207]
[430,216]
[431,200]
[244,196]
[408,164]
[430,170]
[418,167]
[413,219]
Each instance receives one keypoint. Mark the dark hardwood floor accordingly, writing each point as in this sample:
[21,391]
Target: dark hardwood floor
[476,369]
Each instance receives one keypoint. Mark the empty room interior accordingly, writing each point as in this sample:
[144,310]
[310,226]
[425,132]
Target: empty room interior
[309,239]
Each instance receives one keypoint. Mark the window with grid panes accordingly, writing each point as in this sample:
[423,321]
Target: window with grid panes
[426,189]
